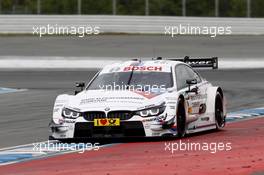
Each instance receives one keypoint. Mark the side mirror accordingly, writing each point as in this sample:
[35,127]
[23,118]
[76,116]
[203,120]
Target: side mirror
[80,85]
[192,82]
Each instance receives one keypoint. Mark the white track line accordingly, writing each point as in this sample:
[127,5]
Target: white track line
[15,62]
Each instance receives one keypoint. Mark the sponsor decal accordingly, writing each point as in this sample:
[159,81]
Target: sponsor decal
[171,102]
[205,119]
[147,95]
[93,100]
[155,134]
[190,110]
[171,98]
[58,105]
[147,126]
[173,127]
[172,107]
[69,121]
[202,109]
[107,122]
[142,68]
[108,99]
[195,104]
[198,97]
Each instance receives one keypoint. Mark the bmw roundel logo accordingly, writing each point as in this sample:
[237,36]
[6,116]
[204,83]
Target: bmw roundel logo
[107,109]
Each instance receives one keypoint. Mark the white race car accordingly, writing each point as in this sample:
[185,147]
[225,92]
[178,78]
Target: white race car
[152,98]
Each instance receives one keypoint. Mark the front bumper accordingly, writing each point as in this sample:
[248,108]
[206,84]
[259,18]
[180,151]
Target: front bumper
[84,129]
[126,129]
[130,126]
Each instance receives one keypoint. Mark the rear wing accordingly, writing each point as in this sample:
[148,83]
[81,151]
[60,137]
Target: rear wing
[200,62]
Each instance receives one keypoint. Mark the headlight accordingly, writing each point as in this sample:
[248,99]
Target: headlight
[68,113]
[151,111]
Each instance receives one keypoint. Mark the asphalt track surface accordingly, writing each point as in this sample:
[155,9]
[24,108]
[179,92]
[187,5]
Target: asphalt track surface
[24,116]
[155,158]
[138,46]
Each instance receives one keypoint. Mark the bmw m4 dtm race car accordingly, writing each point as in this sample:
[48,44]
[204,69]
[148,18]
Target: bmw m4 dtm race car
[151,98]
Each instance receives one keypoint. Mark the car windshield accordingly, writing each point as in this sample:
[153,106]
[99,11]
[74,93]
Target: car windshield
[135,79]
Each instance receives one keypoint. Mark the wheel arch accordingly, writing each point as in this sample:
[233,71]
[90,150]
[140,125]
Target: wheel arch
[210,103]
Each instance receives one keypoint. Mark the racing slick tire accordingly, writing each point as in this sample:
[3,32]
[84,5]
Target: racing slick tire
[181,119]
[219,114]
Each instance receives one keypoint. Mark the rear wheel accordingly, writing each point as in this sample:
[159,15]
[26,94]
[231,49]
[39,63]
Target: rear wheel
[219,112]
[181,119]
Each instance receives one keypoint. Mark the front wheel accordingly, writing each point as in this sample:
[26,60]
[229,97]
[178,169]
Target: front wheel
[181,119]
[219,112]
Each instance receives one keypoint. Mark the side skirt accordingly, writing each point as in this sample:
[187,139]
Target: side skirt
[201,128]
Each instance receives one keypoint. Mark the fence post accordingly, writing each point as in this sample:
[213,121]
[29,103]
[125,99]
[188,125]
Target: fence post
[146,7]
[216,8]
[79,7]
[114,7]
[248,8]
[183,7]
[38,7]
[0,6]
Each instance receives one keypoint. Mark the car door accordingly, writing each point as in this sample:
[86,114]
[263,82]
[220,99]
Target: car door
[196,101]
